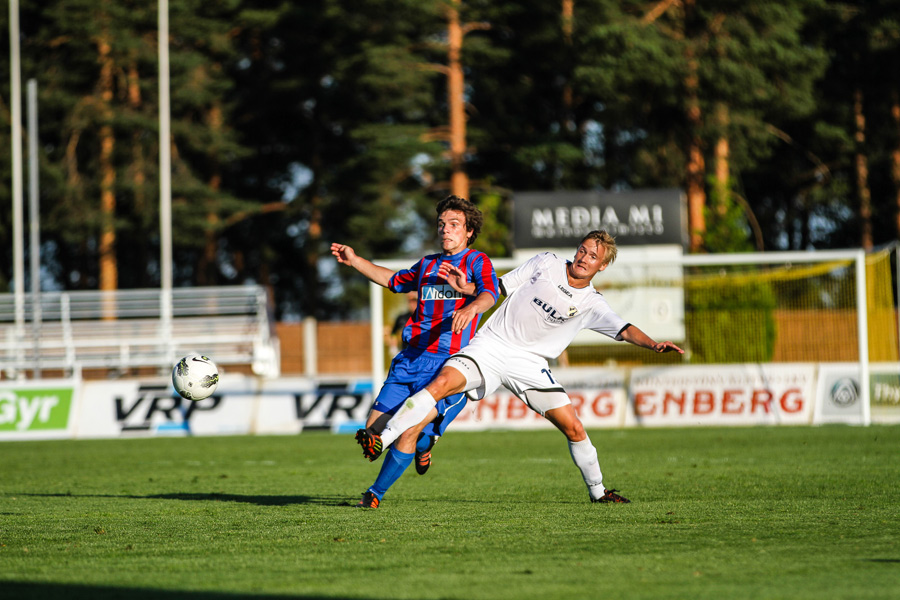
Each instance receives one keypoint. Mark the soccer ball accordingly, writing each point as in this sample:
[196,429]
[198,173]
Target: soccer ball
[195,377]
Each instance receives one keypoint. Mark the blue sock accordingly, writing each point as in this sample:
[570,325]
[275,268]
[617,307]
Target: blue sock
[423,443]
[392,467]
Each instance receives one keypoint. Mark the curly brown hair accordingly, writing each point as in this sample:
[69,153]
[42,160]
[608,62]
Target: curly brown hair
[474,218]
[605,240]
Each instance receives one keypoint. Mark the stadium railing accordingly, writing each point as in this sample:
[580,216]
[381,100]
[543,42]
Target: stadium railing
[131,329]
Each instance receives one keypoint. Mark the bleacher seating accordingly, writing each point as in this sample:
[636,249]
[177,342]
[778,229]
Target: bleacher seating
[134,329]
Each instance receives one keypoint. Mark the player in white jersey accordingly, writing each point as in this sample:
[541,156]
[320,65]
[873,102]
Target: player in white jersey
[548,301]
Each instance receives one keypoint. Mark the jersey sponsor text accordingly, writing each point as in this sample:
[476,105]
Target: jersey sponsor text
[550,314]
[440,292]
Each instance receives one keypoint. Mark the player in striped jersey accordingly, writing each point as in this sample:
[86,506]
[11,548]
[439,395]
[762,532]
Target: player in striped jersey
[454,288]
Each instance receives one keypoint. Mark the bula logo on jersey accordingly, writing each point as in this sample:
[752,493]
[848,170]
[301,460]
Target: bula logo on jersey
[440,292]
[550,314]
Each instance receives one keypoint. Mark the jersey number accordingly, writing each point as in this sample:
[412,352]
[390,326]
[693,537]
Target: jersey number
[549,376]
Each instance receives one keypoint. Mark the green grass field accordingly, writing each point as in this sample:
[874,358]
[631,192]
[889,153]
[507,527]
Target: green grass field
[715,513]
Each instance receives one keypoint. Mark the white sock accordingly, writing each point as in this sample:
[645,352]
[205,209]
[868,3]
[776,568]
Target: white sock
[585,457]
[414,409]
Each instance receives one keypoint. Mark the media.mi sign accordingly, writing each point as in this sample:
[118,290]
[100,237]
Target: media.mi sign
[634,218]
[645,285]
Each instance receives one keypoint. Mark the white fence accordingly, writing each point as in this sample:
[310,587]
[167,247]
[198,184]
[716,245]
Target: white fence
[128,329]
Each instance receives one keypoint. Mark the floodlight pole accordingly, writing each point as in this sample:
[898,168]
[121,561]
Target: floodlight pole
[17,199]
[34,224]
[165,181]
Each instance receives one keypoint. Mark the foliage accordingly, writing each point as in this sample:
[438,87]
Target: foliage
[721,313]
[726,222]
[494,237]
[297,124]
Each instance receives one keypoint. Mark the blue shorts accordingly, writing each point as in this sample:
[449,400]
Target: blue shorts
[411,370]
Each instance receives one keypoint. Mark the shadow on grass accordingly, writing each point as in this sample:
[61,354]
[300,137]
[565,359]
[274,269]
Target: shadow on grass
[14,590]
[882,560]
[259,500]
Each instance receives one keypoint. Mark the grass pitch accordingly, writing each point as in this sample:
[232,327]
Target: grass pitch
[773,512]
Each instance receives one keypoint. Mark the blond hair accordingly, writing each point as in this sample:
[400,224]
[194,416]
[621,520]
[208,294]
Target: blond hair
[605,240]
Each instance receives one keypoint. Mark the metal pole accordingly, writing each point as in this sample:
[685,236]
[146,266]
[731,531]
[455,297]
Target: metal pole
[35,223]
[376,308]
[165,179]
[18,209]
[862,324]
[310,347]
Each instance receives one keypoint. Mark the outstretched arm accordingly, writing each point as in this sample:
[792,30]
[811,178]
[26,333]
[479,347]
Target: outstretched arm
[633,335]
[345,255]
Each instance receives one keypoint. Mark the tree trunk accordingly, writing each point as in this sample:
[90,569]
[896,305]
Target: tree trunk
[107,249]
[459,181]
[721,185]
[696,165]
[206,269]
[568,12]
[138,169]
[862,172]
[312,244]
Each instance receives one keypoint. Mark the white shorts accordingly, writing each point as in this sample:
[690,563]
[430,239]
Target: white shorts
[488,363]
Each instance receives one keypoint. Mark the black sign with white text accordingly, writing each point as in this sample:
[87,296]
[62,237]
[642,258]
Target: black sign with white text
[634,218]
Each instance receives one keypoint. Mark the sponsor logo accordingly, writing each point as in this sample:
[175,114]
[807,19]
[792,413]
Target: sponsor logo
[886,393]
[844,392]
[598,407]
[568,221]
[564,290]
[329,404]
[156,406]
[440,292]
[573,310]
[724,402]
[34,409]
[550,314]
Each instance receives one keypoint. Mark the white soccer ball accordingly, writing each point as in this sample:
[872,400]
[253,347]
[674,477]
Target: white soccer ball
[195,377]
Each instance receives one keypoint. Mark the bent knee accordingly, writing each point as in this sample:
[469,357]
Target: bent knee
[567,422]
[448,382]
[575,432]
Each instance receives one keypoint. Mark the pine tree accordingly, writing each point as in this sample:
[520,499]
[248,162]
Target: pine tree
[700,81]
[97,66]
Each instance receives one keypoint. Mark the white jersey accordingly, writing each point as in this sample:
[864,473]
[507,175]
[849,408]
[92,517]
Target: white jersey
[542,313]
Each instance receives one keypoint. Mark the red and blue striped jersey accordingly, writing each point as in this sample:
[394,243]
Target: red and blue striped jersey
[431,328]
